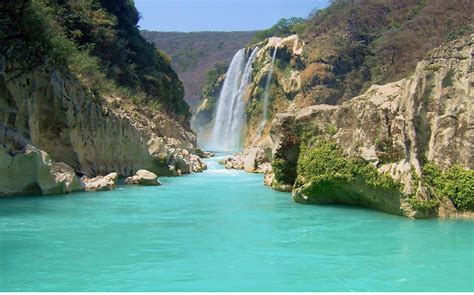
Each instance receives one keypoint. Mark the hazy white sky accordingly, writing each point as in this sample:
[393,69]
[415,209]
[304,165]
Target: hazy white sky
[220,15]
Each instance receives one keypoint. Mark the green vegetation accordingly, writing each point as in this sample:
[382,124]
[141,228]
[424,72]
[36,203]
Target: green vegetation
[283,28]
[213,74]
[322,162]
[424,205]
[455,183]
[100,43]
[284,173]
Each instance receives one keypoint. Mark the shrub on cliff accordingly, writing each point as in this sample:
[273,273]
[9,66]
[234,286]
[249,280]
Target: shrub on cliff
[283,28]
[322,162]
[101,43]
[455,183]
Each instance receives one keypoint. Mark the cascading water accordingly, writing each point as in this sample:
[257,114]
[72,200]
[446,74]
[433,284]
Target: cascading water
[230,115]
[266,96]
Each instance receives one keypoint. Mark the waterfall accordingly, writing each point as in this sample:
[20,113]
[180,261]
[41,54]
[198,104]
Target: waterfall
[230,116]
[266,96]
[267,87]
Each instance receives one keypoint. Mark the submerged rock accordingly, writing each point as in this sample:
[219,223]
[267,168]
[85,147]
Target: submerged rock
[101,183]
[143,177]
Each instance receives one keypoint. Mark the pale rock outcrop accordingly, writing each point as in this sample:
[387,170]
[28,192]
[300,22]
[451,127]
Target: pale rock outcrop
[234,162]
[101,183]
[253,160]
[398,127]
[143,177]
[31,171]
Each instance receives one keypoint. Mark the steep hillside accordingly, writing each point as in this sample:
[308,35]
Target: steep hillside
[69,107]
[352,45]
[194,54]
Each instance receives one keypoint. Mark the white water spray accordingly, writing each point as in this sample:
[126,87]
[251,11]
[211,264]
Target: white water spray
[230,115]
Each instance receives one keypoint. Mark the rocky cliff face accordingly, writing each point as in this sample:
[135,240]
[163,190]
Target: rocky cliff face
[49,119]
[383,149]
[285,88]
[399,129]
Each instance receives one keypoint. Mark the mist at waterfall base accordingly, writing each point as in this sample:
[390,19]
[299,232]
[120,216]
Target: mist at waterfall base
[229,121]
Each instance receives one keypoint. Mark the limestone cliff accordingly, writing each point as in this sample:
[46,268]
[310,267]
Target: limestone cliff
[389,148]
[399,129]
[50,116]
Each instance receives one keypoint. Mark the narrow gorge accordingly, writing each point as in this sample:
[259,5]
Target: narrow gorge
[332,151]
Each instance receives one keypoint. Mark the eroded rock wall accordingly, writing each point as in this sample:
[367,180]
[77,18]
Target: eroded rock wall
[45,106]
[399,127]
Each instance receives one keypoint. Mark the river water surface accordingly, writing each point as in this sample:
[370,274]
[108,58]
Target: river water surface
[222,230]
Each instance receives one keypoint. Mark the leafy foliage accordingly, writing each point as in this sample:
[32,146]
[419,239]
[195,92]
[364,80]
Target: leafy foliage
[424,205]
[323,162]
[101,44]
[283,28]
[455,183]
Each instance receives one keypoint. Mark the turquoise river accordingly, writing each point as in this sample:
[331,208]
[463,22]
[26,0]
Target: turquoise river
[222,230]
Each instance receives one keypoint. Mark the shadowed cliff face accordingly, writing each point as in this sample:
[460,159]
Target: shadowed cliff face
[49,110]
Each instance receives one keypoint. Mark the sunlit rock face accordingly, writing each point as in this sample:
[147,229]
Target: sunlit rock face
[399,127]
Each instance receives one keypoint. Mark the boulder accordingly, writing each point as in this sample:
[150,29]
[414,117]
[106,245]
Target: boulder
[31,171]
[250,160]
[233,162]
[101,183]
[143,177]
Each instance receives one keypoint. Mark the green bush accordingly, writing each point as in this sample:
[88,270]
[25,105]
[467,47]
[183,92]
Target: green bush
[284,173]
[283,28]
[323,162]
[425,205]
[455,183]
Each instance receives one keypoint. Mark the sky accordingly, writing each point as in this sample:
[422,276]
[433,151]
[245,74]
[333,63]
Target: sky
[220,15]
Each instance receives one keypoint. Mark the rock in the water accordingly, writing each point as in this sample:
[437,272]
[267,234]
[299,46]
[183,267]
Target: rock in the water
[31,171]
[252,160]
[143,177]
[101,183]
